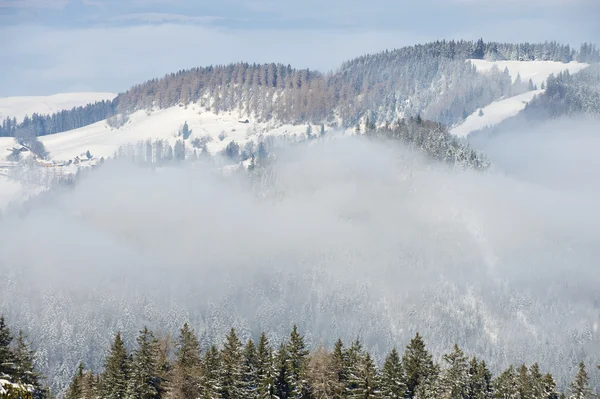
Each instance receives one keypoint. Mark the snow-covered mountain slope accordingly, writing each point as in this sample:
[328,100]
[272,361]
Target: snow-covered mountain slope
[494,113]
[537,71]
[102,140]
[498,111]
[18,107]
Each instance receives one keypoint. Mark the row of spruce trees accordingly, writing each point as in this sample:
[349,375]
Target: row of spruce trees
[155,370]
[249,370]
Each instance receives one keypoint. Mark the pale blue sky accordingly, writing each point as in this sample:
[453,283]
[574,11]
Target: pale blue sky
[51,46]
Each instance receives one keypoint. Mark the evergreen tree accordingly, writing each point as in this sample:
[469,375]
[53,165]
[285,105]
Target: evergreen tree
[418,365]
[185,381]
[536,382]
[506,385]
[455,377]
[392,377]
[549,387]
[232,367]
[281,372]
[266,386]
[353,359]
[210,381]
[145,381]
[24,370]
[297,363]
[580,388]
[369,379]
[185,131]
[322,133]
[338,366]
[309,134]
[75,389]
[250,371]
[7,363]
[524,383]
[480,380]
[116,371]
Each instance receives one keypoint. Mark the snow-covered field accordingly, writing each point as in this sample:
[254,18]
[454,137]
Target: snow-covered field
[494,113]
[537,71]
[102,140]
[18,107]
[498,111]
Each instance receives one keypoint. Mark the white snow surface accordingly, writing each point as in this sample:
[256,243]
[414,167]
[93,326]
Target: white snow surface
[18,107]
[102,140]
[494,113]
[537,71]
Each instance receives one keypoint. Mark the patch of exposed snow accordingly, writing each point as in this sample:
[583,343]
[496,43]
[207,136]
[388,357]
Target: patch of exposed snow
[537,71]
[494,113]
[102,140]
[18,107]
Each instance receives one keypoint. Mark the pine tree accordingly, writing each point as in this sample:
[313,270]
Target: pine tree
[7,365]
[480,380]
[232,367]
[370,383]
[338,366]
[75,389]
[185,380]
[144,382]
[297,363]
[524,383]
[266,387]
[116,371]
[210,381]
[549,387]
[392,378]
[417,363]
[309,134]
[536,382]
[281,372]
[455,377]
[250,371]
[24,370]
[353,359]
[506,385]
[580,388]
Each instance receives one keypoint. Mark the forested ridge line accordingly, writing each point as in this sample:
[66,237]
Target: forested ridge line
[160,367]
[430,79]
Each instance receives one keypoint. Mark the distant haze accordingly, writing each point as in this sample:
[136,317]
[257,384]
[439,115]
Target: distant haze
[345,238]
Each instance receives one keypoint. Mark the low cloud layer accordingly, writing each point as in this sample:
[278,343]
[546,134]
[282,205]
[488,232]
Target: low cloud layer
[344,238]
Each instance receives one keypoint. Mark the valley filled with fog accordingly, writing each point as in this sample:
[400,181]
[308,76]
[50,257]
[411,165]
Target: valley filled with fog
[343,237]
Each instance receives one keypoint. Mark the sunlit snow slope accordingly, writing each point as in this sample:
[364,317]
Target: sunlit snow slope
[18,107]
[537,71]
[496,112]
[102,140]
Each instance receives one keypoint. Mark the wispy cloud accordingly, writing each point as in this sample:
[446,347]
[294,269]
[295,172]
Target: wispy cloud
[157,17]
[58,4]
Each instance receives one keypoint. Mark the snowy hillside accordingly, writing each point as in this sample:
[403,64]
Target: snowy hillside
[537,71]
[494,113]
[18,107]
[102,140]
[498,111]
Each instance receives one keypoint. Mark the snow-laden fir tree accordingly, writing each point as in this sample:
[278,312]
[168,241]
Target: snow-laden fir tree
[232,362]
[116,370]
[580,388]
[418,365]
[392,377]
[145,381]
